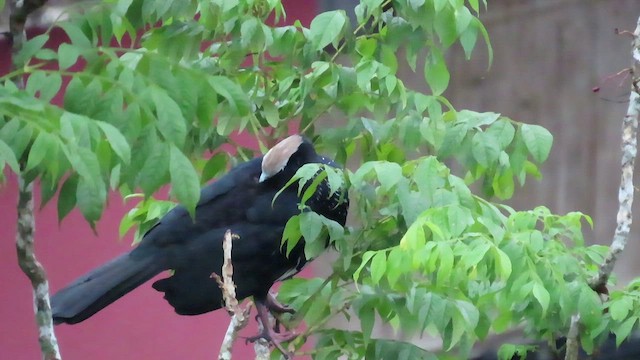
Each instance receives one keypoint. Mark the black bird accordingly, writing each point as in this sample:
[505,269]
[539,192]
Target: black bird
[241,201]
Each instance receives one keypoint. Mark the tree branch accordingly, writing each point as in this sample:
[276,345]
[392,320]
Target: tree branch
[572,347]
[261,346]
[240,317]
[629,150]
[19,11]
[35,272]
[625,194]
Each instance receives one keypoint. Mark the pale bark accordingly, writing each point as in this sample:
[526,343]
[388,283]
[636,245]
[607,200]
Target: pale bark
[625,193]
[20,10]
[629,150]
[240,317]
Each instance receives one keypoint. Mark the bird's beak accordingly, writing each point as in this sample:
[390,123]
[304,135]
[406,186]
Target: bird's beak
[263,177]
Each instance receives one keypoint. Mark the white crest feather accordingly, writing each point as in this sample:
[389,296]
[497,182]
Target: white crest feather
[278,156]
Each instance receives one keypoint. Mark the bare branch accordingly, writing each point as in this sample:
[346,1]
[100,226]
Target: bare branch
[625,193]
[240,317]
[629,150]
[228,286]
[20,10]
[572,339]
[261,346]
[238,322]
[35,272]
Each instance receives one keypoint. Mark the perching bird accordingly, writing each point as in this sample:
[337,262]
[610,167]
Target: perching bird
[241,201]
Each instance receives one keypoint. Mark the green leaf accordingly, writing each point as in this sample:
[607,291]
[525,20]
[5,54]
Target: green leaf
[511,351]
[311,228]
[365,260]
[185,184]
[436,72]
[473,257]
[91,196]
[378,266]
[214,166]
[84,161]
[445,255]
[327,28]
[623,331]
[538,141]
[67,56]
[153,172]
[232,92]
[30,47]
[389,174]
[503,185]
[270,113]
[485,149]
[469,38]
[248,31]
[367,320]
[366,46]
[7,156]
[542,295]
[503,263]
[67,197]
[75,34]
[116,140]
[291,235]
[619,309]
[437,4]
[336,181]
[485,36]
[171,123]
[42,146]
[503,131]
[463,19]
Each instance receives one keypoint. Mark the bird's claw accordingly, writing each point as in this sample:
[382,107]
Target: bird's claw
[275,307]
[275,339]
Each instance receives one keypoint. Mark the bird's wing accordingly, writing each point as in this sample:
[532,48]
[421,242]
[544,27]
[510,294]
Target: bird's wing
[177,226]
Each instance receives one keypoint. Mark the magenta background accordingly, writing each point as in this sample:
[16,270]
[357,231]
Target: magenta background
[141,325]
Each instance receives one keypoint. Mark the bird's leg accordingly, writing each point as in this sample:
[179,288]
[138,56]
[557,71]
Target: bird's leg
[268,333]
[276,307]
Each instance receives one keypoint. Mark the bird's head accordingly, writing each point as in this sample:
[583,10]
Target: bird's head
[294,151]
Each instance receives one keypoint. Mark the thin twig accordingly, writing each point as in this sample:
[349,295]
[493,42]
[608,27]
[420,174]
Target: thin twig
[625,193]
[19,11]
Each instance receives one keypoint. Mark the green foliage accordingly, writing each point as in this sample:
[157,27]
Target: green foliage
[422,252]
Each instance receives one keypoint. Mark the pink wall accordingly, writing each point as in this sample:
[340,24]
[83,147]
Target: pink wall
[139,326]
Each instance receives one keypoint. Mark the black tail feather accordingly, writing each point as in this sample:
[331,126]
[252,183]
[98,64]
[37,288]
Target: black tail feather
[102,286]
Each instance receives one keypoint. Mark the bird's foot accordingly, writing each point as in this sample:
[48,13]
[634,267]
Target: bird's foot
[271,333]
[274,338]
[276,307]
